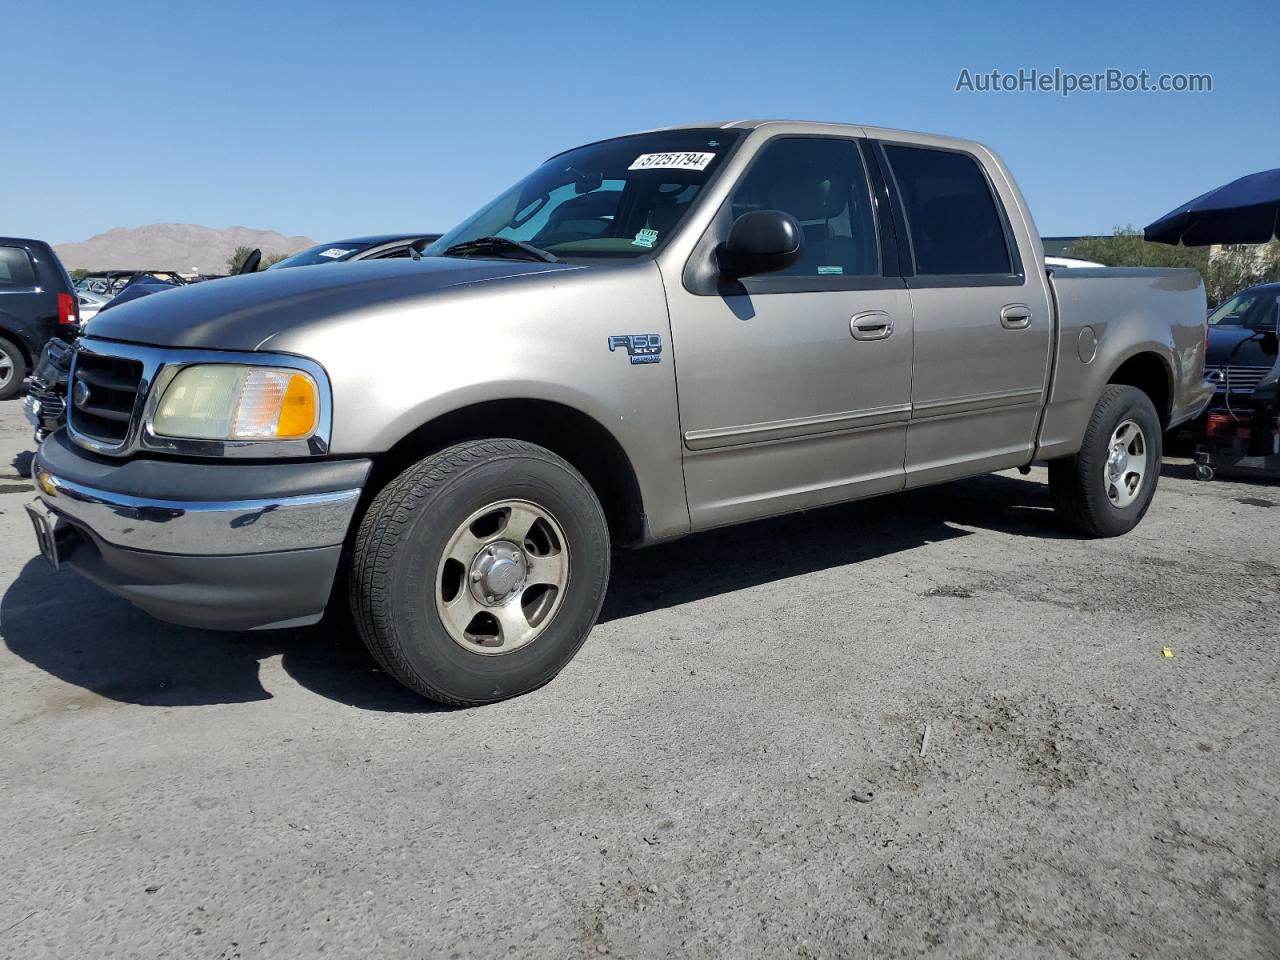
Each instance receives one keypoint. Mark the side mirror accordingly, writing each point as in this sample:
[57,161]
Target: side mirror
[250,264]
[763,241]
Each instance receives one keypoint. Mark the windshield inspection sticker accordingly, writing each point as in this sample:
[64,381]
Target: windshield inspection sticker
[672,161]
[645,238]
[333,253]
[640,347]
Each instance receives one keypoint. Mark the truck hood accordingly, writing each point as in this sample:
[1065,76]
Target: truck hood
[241,313]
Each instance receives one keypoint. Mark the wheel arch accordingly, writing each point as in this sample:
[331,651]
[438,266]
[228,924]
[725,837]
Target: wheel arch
[564,430]
[11,331]
[1149,371]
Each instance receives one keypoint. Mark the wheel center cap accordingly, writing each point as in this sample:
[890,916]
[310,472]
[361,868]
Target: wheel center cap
[498,572]
[1116,463]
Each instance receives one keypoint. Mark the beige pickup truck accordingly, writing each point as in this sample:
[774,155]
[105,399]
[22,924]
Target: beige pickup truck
[647,336]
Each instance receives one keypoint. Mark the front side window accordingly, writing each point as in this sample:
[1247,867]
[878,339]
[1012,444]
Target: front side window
[619,198]
[820,182]
[952,218]
[16,269]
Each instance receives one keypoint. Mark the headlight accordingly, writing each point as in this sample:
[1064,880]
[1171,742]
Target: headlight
[232,401]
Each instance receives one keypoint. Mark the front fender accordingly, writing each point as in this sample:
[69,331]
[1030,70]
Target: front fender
[538,338]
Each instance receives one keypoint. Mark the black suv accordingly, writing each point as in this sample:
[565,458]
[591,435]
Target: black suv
[37,303]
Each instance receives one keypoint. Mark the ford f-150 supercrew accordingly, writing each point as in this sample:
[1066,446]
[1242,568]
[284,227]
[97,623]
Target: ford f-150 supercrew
[647,336]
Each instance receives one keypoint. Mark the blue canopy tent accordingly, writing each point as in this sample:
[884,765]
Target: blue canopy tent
[1243,211]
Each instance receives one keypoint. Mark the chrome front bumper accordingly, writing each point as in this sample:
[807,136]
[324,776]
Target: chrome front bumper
[231,546]
[201,527]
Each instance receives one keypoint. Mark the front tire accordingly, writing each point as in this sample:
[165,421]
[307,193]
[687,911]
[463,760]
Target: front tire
[13,368]
[1106,488]
[479,571]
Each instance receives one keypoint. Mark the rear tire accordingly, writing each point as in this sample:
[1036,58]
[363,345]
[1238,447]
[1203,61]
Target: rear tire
[1095,490]
[13,368]
[479,571]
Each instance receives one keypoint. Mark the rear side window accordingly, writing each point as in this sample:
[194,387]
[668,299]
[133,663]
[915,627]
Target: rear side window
[820,182]
[952,218]
[16,268]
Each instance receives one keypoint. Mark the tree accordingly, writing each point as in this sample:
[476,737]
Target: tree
[269,258]
[79,273]
[1126,248]
[1226,269]
[1232,268]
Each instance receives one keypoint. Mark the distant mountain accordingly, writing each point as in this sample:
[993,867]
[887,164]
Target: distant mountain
[173,246]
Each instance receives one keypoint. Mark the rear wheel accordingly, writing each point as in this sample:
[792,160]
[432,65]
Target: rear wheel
[1106,488]
[479,571]
[13,368]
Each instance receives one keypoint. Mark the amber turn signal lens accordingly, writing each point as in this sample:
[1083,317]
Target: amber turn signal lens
[299,408]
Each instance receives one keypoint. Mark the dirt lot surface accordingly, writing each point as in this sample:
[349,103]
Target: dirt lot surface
[693,784]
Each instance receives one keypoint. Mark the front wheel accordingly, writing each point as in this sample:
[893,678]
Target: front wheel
[479,571]
[1106,488]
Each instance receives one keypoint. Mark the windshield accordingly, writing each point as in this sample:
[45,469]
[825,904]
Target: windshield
[619,198]
[1256,308]
[323,253]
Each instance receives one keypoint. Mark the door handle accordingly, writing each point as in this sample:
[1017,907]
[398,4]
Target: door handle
[873,325]
[1015,316]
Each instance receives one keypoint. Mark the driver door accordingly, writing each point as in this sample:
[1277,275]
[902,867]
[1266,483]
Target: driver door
[795,388]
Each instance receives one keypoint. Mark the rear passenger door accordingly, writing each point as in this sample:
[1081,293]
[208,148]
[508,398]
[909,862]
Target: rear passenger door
[983,321]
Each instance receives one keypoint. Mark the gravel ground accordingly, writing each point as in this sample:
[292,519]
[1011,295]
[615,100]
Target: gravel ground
[692,785]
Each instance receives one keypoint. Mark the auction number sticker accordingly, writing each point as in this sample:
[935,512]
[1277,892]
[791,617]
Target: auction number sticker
[333,253]
[672,161]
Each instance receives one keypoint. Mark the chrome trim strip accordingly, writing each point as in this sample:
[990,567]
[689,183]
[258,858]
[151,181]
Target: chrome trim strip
[202,527]
[160,365]
[711,438]
[951,407]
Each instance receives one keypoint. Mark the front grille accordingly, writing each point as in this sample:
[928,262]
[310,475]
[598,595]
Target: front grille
[103,396]
[1241,381]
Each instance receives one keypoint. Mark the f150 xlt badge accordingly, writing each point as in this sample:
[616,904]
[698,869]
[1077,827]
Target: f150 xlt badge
[640,347]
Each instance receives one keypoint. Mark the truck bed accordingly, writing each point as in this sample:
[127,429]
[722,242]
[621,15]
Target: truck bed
[1108,317]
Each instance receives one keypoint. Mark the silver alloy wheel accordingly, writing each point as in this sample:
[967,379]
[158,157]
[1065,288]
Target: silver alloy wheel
[1126,464]
[6,368]
[502,577]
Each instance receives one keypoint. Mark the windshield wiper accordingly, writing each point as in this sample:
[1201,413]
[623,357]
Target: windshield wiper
[500,246]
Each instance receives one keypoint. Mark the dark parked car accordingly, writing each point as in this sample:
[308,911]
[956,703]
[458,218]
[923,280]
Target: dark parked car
[37,301]
[1240,351]
[383,246]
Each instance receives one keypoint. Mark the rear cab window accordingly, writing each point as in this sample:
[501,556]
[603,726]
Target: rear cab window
[16,269]
[955,225]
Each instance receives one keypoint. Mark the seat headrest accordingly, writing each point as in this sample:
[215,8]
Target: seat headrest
[810,198]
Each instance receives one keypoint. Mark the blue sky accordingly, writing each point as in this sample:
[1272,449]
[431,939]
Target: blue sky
[333,119]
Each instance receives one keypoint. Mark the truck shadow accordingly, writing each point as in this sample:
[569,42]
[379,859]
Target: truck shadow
[765,551]
[69,628]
